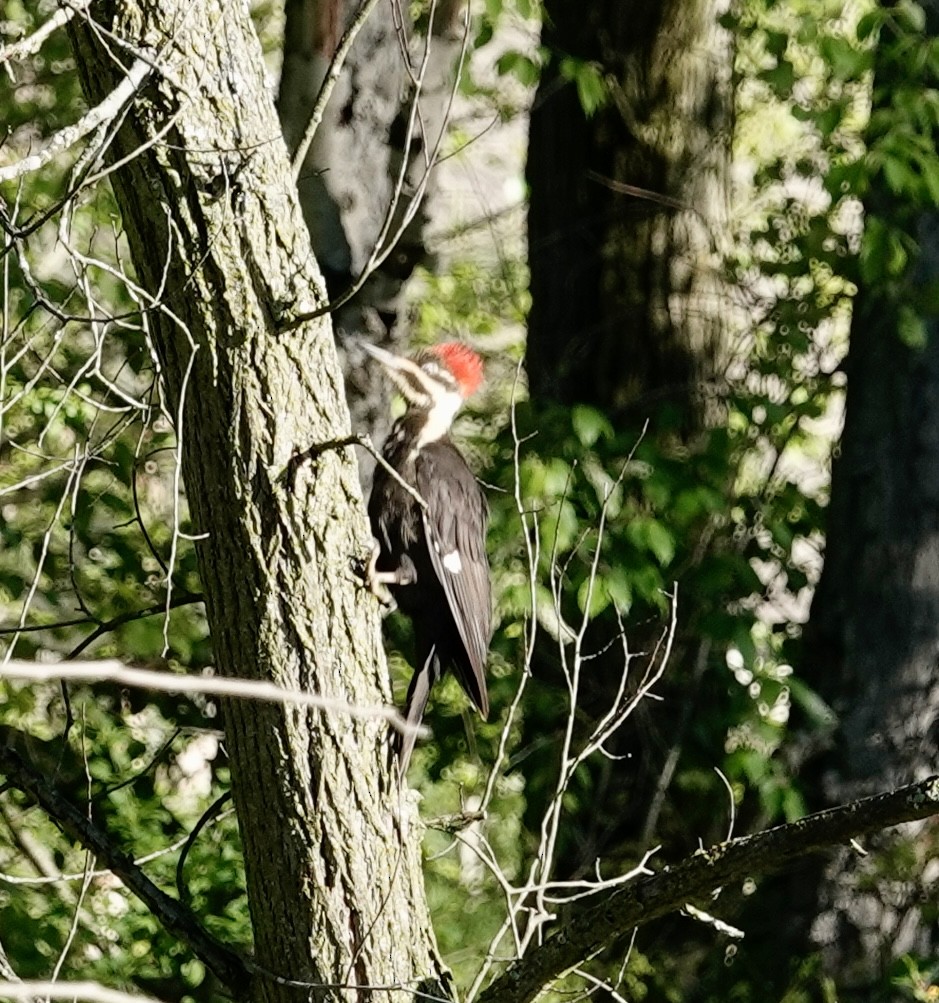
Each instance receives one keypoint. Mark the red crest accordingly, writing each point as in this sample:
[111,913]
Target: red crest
[463,362]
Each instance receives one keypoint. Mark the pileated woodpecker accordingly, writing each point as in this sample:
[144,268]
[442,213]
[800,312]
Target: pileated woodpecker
[432,552]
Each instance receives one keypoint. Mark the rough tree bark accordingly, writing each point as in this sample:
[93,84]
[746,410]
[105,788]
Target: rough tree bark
[872,641]
[627,205]
[871,645]
[217,238]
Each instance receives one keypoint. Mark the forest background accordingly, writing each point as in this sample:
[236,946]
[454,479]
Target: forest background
[711,439]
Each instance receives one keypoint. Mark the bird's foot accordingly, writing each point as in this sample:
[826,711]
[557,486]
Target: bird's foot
[377,581]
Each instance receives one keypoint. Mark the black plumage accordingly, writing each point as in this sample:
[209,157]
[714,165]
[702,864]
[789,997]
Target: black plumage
[432,557]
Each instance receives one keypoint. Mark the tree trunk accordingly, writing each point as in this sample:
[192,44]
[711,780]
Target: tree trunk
[870,651]
[628,204]
[332,856]
[871,643]
[349,177]
[873,636]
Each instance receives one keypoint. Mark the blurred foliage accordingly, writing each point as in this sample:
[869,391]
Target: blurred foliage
[93,525]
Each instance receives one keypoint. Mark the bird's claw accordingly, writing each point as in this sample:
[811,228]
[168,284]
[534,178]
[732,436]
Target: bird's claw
[375,580]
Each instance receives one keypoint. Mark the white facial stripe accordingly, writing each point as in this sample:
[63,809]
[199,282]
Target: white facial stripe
[409,385]
[452,562]
[439,419]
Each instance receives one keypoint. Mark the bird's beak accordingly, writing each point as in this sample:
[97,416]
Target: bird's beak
[406,375]
[388,359]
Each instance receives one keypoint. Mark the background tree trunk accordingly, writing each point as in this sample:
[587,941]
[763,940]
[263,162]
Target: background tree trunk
[348,180]
[628,204]
[332,857]
[873,636]
[870,646]
[627,207]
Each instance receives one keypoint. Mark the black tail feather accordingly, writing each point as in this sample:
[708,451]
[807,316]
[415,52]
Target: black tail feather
[415,705]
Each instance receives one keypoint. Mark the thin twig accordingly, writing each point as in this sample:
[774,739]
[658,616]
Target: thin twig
[31,44]
[91,992]
[90,121]
[590,927]
[329,83]
[174,916]
[207,816]
[106,626]
[317,449]
[384,244]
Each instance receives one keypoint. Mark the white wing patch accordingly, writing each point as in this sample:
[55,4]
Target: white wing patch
[452,562]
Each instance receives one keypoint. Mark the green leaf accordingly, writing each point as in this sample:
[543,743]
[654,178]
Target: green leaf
[590,424]
[599,597]
[653,536]
[776,43]
[589,81]
[900,179]
[814,707]
[911,327]
[617,585]
[557,477]
[846,60]
[870,23]
[910,16]
[882,252]
[522,67]
[484,34]
[931,178]
[781,78]
[661,542]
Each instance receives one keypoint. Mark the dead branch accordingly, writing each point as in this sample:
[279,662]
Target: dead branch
[91,992]
[173,915]
[31,44]
[328,85]
[591,927]
[171,682]
[70,135]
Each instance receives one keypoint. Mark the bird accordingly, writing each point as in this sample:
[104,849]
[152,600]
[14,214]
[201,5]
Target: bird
[428,515]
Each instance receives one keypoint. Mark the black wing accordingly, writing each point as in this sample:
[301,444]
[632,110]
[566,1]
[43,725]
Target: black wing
[455,529]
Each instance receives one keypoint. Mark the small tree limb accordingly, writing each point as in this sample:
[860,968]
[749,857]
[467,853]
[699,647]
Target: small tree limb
[174,916]
[70,135]
[91,992]
[30,44]
[593,926]
[112,670]
[332,75]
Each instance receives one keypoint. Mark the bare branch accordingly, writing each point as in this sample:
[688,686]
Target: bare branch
[329,83]
[92,992]
[171,682]
[187,599]
[384,244]
[173,915]
[590,928]
[353,440]
[70,135]
[31,44]
[62,878]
